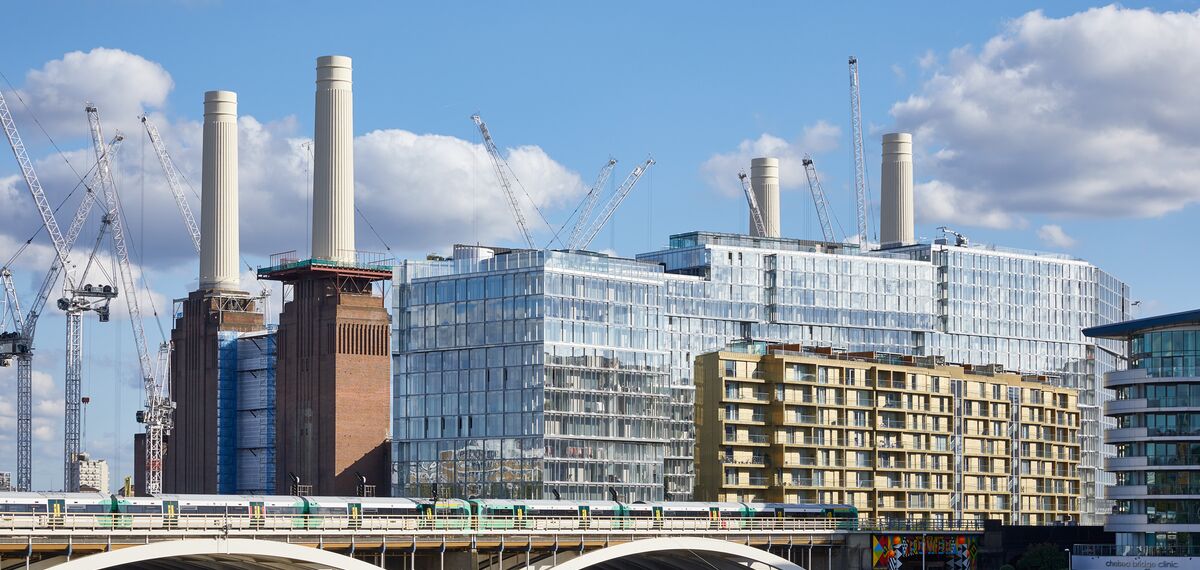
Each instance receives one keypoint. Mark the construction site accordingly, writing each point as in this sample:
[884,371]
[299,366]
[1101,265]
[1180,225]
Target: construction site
[513,372]
[230,404]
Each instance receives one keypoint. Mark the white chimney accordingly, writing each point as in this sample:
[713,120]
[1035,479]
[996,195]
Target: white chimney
[896,194]
[333,169]
[219,193]
[764,179]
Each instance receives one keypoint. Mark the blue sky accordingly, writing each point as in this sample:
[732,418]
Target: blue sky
[1030,130]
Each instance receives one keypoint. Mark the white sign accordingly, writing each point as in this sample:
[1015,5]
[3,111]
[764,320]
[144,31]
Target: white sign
[1139,562]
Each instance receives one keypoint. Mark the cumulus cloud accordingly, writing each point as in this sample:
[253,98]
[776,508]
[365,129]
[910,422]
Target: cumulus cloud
[1088,115]
[433,190]
[720,170]
[1054,236]
[121,83]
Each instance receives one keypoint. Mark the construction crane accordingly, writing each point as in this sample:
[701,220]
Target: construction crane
[21,342]
[818,196]
[959,239]
[500,165]
[173,180]
[157,414]
[611,207]
[755,213]
[589,203]
[860,167]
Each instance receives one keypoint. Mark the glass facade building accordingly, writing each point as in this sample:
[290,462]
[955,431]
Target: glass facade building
[1022,310]
[1157,432]
[525,373]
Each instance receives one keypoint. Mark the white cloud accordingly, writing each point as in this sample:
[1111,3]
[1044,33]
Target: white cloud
[121,84]
[429,191]
[1089,115]
[721,169]
[1054,236]
[938,201]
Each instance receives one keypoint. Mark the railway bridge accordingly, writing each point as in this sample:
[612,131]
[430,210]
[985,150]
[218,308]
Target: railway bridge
[95,541]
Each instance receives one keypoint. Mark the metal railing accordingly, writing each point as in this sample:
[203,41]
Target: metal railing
[266,526]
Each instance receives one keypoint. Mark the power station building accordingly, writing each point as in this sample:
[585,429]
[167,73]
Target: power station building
[1022,310]
[303,408]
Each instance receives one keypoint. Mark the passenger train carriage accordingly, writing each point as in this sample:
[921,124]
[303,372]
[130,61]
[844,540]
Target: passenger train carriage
[281,512]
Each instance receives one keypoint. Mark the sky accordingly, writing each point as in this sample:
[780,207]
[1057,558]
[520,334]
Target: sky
[1069,128]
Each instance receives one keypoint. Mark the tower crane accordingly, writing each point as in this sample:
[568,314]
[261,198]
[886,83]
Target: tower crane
[818,195]
[611,207]
[173,180]
[755,213]
[21,341]
[589,202]
[860,167]
[499,163]
[157,414]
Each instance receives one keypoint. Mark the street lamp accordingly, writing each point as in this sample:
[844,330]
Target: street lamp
[1069,563]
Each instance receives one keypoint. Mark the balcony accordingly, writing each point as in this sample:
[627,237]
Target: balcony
[748,439]
[753,460]
[1125,491]
[1125,434]
[1122,406]
[1121,463]
[757,417]
[891,424]
[746,482]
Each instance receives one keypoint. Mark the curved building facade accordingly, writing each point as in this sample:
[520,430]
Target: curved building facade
[1157,433]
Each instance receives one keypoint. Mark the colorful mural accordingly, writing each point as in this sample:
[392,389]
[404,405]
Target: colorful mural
[902,551]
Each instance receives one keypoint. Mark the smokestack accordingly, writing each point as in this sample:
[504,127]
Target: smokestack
[219,193]
[764,179]
[896,194]
[333,171]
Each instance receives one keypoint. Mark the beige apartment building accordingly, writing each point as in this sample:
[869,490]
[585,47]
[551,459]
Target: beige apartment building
[895,436]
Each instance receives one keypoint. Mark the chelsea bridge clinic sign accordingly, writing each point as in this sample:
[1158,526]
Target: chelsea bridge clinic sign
[1135,562]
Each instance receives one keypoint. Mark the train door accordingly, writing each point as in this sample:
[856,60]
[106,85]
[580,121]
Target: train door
[621,514]
[518,513]
[585,516]
[427,513]
[258,514]
[170,511]
[354,514]
[714,517]
[658,516]
[55,509]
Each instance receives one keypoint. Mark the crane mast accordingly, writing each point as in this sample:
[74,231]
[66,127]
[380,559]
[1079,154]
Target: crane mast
[173,180]
[611,207]
[589,203]
[818,196]
[156,407]
[860,167]
[62,246]
[755,213]
[499,164]
[34,184]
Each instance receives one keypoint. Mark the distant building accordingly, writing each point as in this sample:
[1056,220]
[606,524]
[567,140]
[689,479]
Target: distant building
[1157,432]
[5,481]
[898,437]
[93,474]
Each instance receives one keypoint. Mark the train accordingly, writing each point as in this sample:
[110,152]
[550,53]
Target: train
[276,511]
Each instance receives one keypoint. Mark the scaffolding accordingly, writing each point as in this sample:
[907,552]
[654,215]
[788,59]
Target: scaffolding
[256,412]
[227,411]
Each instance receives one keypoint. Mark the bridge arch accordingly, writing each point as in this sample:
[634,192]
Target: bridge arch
[732,551]
[237,552]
